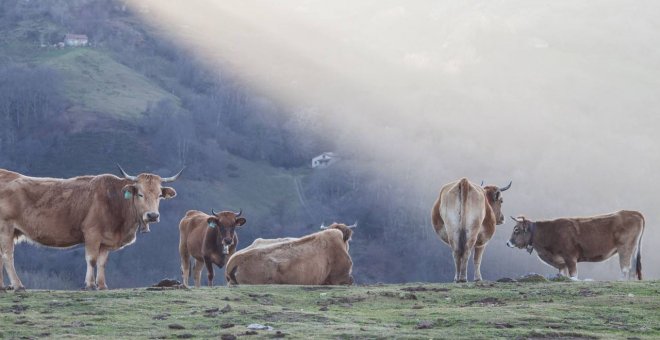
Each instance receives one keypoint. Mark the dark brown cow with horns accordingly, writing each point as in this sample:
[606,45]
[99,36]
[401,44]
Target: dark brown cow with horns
[104,212]
[464,216]
[564,242]
[209,239]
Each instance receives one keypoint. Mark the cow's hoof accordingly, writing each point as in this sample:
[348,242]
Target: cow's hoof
[89,288]
[477,280]
[19,289]
[102,288]
[461,281]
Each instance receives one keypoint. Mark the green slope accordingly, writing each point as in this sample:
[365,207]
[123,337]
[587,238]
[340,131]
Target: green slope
[609,310]
[95,82]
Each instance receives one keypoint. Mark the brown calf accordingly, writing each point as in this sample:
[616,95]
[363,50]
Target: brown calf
[209,239]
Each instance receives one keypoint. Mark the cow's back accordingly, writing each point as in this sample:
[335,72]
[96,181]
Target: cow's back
[50,211]
[592,239]
[192,228]
[462,205]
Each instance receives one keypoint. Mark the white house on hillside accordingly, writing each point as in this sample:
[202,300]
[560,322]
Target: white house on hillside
[324,160]
[75,40]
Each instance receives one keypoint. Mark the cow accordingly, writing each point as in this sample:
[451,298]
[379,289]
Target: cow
[321,258]
[104,212]
[464,217]
[209,239]
[563,242]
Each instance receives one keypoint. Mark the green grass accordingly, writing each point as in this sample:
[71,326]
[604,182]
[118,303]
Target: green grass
[488,310]
[257,187]
[95,82]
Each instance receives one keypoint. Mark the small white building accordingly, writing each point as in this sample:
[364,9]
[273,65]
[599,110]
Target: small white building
[324,160]
[75,40]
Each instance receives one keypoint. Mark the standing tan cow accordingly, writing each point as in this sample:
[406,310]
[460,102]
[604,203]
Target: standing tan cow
[209,239]
[318,259]
[464,216]
[564,242]
[104,212]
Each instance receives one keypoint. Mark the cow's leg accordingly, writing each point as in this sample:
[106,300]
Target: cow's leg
[7,254]
[100,268]
[91,255]
[625,257]
[478,252]
[572,269]
[2,274]
[197,272]
[209,269]
[185,269]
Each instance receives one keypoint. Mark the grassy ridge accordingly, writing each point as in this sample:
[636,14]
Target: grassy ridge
[99,84]
[488,310]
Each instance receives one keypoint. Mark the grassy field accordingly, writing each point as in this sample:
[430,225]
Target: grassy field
[588,310]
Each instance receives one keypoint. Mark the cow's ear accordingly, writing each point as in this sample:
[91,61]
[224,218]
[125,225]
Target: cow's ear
[168,192]
[129,191]
[212,222]
[240,221]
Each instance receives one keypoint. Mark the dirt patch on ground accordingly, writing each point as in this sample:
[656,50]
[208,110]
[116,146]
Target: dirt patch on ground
[486,302]
[559,335]
[167,284]
[346,301]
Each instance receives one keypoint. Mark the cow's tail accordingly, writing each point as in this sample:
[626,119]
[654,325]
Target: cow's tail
[638,264]
[463,189]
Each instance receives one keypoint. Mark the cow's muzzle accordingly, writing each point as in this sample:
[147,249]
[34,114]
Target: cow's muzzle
[225,245]
[510,245]
[152,217]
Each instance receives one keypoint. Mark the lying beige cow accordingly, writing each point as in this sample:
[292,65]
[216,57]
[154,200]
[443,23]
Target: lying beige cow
[321,258]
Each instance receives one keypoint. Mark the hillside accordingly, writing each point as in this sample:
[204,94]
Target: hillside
[589,310]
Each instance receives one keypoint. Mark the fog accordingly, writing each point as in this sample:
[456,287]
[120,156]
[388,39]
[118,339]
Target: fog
[560,97]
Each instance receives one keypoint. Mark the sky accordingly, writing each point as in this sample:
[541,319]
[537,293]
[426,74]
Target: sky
[560,97]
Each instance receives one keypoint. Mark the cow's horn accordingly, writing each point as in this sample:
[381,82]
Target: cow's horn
[213,212]
[323,227]
[173,178]
[126,176]
[240,212]
[515,219]
[506,187]
[482,183]
[354,225]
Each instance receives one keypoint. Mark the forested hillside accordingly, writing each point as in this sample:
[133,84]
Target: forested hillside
[132,97]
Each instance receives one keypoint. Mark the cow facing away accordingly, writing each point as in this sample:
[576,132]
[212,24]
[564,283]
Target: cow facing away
[209,239]
[464,217]
[104,212]
[321,258]
[564,242]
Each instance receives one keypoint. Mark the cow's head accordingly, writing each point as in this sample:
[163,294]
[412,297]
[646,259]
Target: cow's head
[145,192]
[494,196]
[225,223]
[346,230]
[522,234]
